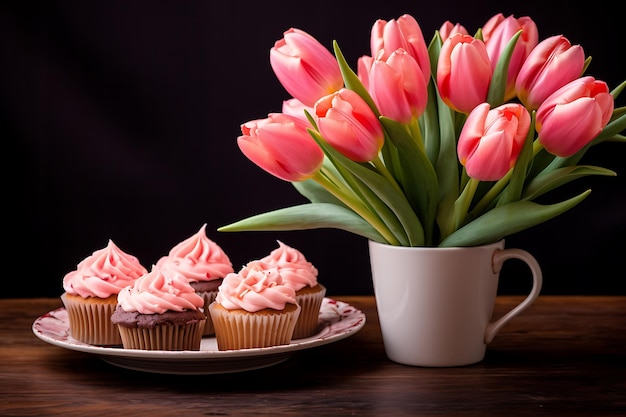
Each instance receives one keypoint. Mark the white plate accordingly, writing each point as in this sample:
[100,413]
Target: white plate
[337,321]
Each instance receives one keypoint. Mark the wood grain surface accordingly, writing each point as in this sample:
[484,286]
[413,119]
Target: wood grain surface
[564,356]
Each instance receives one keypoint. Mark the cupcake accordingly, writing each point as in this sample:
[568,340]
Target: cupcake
[254,309]
[91,293]
[300,274]
[160,311]
[204,264]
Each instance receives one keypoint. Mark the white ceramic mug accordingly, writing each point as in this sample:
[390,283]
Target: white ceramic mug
[435,305]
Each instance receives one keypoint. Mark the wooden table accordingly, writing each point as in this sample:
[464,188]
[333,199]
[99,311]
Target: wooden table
[564,356]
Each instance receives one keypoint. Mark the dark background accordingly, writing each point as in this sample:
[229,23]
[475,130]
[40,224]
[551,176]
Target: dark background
[120,118]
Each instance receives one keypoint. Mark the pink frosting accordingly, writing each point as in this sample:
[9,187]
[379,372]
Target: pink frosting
[104,273]
[198,258]
[296,271]
[158,291]
[256,286]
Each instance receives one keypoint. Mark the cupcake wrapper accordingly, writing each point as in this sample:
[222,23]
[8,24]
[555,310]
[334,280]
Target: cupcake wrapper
[208,297]
[183,337]
[90,322]
[308,321]
[250,330]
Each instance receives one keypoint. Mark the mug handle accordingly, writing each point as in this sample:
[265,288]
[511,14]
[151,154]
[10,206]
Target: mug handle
[499,256]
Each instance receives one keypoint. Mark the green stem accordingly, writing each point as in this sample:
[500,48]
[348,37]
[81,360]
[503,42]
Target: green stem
[416,133]
[462,204]
[358,207]
[492,193]
[380,166]
[336,180]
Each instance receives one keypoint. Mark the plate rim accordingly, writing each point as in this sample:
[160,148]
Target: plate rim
[357,321]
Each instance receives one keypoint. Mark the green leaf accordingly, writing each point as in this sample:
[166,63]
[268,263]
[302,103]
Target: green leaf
[305,217]
[497,87]
[391,206]
[429,123]
[548,181]
[429,120]
[434,49]
[351,80]
[377,209]
[618,90]
[541,160]
[315,193]
[389,154]
[506,220]
[524,162]
[447,168]
[420,179]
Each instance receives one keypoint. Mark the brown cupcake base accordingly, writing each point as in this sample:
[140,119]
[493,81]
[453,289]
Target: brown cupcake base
[166,337]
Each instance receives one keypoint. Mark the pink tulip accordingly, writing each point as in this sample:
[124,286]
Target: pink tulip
[304,67]
[349,125]
[397,87]
[497,33]
[574,115]
[448,29]
[403,33]
[491,140]
[281,145]
[553,63]
[294,107]
[363,66]
[463,72]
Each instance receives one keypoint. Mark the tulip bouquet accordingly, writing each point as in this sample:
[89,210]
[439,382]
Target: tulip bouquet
[445,144]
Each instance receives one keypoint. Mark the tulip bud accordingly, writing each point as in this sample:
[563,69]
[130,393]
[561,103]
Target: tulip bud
[364,65]
[497,33]
[294,107]
[553,63]
[281,145]
[574,115]
[349,125]
[403,33]
[491,140]
[448,29]
[397,87]
[463,72]
[304,67]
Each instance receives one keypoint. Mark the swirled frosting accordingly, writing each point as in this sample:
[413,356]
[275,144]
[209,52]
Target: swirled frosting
[158,291]
[198,258]
[296,270]
[257,286]
[103,273]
